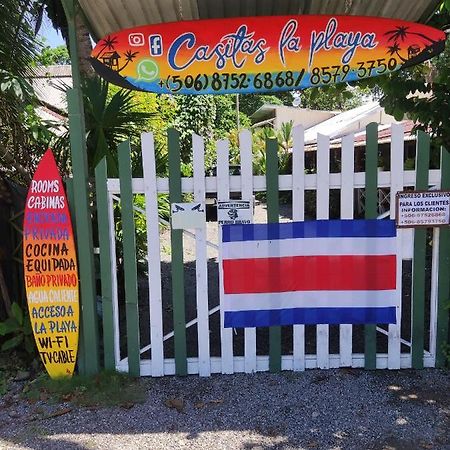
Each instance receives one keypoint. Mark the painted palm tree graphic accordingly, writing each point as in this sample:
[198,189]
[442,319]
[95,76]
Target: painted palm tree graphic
[399,35]
[108,44]
[394,50]
[129,57]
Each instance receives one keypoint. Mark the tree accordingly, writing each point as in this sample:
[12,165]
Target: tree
[335,97]
[195,114]
[249,103]
[22,135]
[53,56]
[56,14]
[422,92]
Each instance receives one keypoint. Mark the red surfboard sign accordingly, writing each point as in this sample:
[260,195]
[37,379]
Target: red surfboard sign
[261,54]
[50,269]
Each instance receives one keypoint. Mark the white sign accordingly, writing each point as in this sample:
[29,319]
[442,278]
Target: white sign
[188,215]
[235,212]
[423,208]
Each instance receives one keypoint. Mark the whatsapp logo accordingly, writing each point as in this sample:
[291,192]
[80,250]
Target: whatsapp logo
[147,70]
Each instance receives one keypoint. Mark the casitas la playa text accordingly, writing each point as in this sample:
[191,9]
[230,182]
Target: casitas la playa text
[242,45]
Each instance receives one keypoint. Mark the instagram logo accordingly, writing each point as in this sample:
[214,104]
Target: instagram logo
[136,39]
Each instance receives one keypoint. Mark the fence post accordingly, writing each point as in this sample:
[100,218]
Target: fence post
[179,315]
[103,219]
[444,273]
[129,258]
[86,265]
[273,213]
[81,358]
[420,242]
[371,212]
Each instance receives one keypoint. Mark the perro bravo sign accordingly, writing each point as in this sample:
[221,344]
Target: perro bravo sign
[50,268]
[423,208]
[260,54]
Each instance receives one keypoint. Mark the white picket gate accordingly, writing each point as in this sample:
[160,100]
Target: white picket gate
[398,353]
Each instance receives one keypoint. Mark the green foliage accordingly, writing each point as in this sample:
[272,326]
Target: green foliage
[284,139]
[53,56]
[329,98]
[421,92]
[108,388]
[140,230]
[340,97]
[444,6]
[249,103]
[18,329]
[226,116]
[21,133]
[18,45]
[110,120]
[195,114]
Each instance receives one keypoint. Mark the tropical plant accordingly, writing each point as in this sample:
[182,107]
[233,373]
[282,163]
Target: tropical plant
[421,92]
[284,138]
[195,114]
[110,120]
[20,128]
[18,45]
[18,329]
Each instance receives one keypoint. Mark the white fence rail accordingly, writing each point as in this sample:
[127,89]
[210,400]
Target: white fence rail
[322,182]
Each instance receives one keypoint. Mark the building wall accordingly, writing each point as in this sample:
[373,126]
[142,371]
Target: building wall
[305,117]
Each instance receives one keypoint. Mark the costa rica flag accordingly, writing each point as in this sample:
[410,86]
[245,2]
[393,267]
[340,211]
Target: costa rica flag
[317,272]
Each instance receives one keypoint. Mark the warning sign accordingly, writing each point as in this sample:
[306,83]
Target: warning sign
[423,208]
[235,212]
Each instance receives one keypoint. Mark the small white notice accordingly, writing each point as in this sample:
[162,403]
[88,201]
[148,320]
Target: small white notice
[188,215]
[423,209]
[235,212]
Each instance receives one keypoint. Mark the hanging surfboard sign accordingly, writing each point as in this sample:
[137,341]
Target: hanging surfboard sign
[50,270]
[261,54]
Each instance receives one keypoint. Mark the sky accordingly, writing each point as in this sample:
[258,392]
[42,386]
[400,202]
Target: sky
[52,37]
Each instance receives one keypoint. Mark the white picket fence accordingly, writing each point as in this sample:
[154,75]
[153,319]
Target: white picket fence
[248,184]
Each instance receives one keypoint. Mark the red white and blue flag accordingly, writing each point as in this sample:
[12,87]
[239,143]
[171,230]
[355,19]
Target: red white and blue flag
[318,272]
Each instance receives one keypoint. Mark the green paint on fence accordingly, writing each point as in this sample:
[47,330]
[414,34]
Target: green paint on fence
[129,259]
[371,212]
[420,242]
[178,302]
[89,339]
[86,267]
[103,223]
[273,213]
[81,356]
[442,349]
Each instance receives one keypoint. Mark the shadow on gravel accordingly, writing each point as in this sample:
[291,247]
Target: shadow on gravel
[339,409]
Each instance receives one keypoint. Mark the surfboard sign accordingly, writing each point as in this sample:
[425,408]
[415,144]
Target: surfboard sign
[50,270]
[261,54]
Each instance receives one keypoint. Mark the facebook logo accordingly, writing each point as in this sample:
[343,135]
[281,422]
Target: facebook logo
[155,44]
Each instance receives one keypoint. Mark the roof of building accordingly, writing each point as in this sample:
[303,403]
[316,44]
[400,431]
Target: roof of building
[265,110]
[50,84]
[351,121]
[106,17]
[62,71]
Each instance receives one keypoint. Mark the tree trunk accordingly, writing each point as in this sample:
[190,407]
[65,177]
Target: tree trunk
[84,46]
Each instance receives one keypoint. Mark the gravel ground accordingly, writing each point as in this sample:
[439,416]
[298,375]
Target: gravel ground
[336,409]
